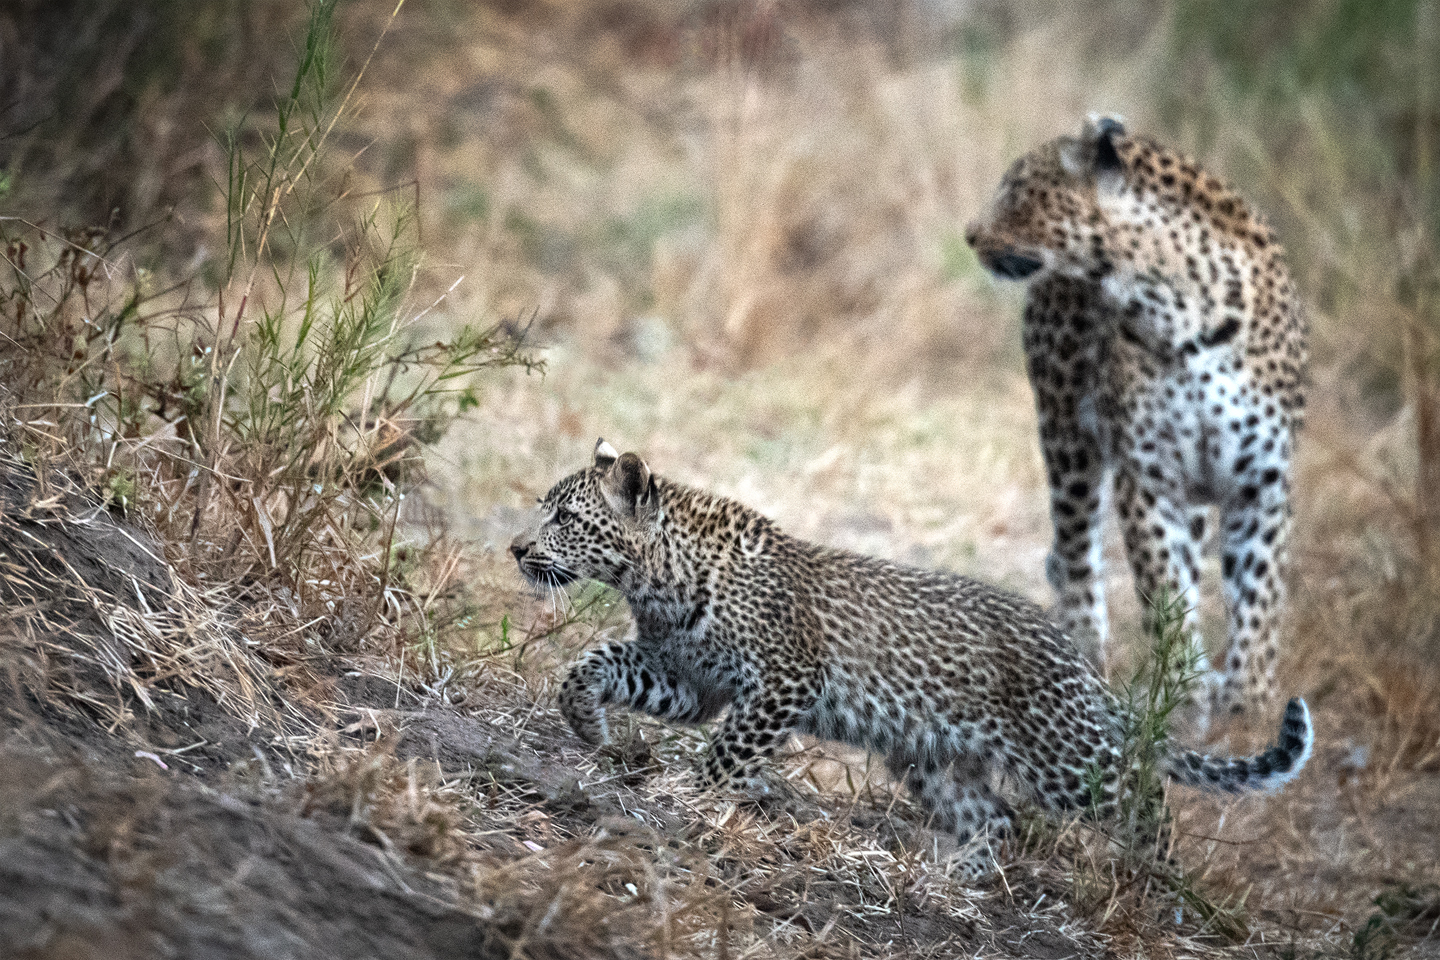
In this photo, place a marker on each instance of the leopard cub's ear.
(605, 454)
(629, 488)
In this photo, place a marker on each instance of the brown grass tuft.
(96, 616)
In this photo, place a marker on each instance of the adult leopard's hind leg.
(1163, 540)
(622, 673)
(1255, 531)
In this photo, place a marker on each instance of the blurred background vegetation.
(1343, 98)
(747, 182)
(111, 108)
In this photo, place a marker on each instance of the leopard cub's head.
(1049, 211)
(592, 524)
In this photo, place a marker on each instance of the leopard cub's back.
(929, 666)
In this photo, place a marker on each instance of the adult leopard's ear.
(605, 454)
(629, 488)
(1100, 133)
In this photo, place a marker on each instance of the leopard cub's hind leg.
(958, 800)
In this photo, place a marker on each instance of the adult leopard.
(1166, 346)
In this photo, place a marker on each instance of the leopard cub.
(954, 682)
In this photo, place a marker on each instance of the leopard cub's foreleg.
(623, 673)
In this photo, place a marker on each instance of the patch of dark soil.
(72, 685)
(94, 865)
(454, 742)
(925, 931)
(54, 544)
(358, 689)
(1018, 932)
(185, 725)
(461, 744)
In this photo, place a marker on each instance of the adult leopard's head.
(1110, 202)
(1049, 212)
(593, 523)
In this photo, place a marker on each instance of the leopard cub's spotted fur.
(956, 683)
(1167, 347)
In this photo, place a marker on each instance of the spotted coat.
(955, 682)
(1166, 346)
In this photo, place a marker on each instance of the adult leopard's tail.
(1269, 771)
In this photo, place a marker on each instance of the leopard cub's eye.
(563, 516)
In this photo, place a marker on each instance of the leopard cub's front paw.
(762, 787)
(775, 795)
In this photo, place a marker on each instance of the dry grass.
(94, 614)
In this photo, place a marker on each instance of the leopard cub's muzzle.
(537, 568)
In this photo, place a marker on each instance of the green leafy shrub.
(271, 423)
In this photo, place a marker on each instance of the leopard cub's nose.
(519, 548)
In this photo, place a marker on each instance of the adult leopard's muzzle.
(1010, 263)
(1000, 258)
